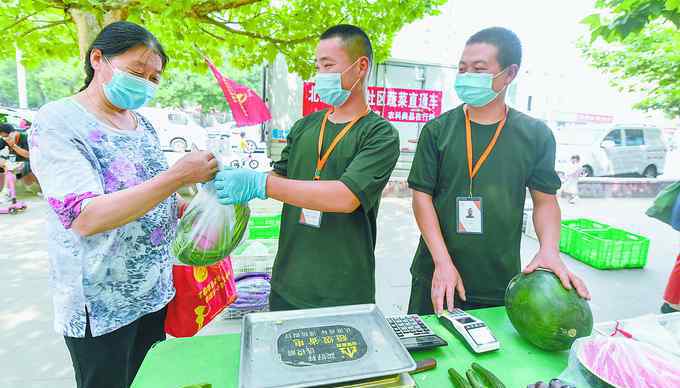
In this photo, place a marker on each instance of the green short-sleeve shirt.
(524, 156)
(334, 264)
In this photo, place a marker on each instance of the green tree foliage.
(183, 89)
(638, 42)
(250, 31)
(180, 88)
(51, 80)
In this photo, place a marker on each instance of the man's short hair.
(6, 128)
(355, 40)
(508, 44)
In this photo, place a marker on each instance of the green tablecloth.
(215, 359)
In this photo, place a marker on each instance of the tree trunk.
(114, 15)
(87, 27)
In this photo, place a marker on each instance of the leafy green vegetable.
(199, 243)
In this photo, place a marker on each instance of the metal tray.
(307, 348)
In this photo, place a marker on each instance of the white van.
(674, 142)
(177, 130)
(613, 150)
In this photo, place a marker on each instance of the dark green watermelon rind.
(521, 305)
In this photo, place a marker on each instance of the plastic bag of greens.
(209, 231)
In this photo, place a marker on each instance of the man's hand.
(445, 282)
(551, 260)
(240, 185)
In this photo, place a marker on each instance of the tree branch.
(213, 6)
(211, 34)
(44, 21)
(44, 26)
(254, 35)
(674, 17)
(21, 20)
(229, 21)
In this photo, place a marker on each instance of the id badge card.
(311, 218)
(469, 215)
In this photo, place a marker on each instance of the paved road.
(32, 355)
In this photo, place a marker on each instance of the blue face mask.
(329, 87)
(127, 91)
(476, 89)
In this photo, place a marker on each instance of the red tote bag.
(201, 294)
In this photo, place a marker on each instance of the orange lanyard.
(473, 170)
(321, 160)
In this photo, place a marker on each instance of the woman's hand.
(195, 167)
(110, 211)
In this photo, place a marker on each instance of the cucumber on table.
(487, 377)
(457, 380)
(475, 379)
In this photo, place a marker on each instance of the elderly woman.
(113, 208)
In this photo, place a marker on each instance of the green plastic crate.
(610, 249)
(572, 229)
(265, 220)
(264, 227)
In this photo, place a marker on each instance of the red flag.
(246, 106)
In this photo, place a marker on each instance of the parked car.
(613, 150)
(177, 130)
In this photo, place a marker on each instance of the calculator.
(414, 333)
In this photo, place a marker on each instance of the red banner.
(394, 104)
(592, 118)
(246, 106)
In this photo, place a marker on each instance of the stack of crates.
(257, 253)
(254, 256)
(602, 246)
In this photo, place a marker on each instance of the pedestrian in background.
(672, 294)
(572, 175)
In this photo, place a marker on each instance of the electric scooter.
(14, 206)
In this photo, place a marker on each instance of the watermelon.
(545, 313)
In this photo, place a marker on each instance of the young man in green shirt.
(469, 179)
(330, 177)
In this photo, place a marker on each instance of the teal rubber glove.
(240, 185)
